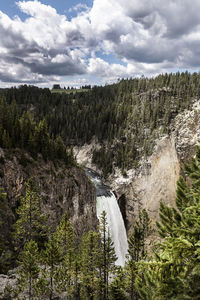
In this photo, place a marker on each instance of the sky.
(74, 42)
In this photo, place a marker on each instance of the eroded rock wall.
(62, 189)
(156, 179)
(155, 183)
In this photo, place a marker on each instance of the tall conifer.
(175, 268)
(108, 256)
(31, 222)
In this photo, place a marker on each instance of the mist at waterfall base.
(106, 201)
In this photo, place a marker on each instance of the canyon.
(156, 177)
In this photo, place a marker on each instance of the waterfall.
(106, 201)
(115, 224)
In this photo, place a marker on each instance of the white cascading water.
(115, 224)
(106, 201)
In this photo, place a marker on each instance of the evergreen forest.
(123, 119)
(52, 263)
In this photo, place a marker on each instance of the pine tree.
(6, 249)
(108, 256)
(117, 286)
(60, 149)
(29, 269)
(41, 139)
(51, 257)
(146, 229)
(27, 129)
(174, 270)
(137, 249)
(89, 254)
(6, 140)
(67, 271)
(65, 235)
(31, 223)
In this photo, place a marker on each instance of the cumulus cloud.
(144, 37)
(79, 7)
(156, 33)
(99, 67)
(42, 44)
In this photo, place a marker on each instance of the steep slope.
(155, 179)
(136, 133)
(124, 118)
(62, 189)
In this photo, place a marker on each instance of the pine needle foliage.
(137, 251)
(31, 222)
(29, 269)
(175, 268)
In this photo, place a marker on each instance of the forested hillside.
(125, 118)
(38, 130)
(29, 135)
(53, 265)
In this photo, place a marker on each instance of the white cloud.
(146, 32)
(147, 36)
(98, 67)
(79, 7)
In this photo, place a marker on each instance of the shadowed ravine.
(106, 201)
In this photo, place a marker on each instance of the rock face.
(7, 281)
(62, 190)
(83, 154)
(156, 179)
(156, 182)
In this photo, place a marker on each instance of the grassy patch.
(74, 91)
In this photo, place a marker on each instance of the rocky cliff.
(62, 189)
(155, 180)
